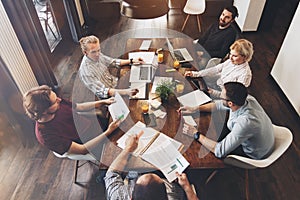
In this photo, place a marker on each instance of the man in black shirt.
(220, 35)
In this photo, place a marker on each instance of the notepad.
(145, 45)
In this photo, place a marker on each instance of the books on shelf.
(158, 149)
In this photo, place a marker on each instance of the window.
(47, 19)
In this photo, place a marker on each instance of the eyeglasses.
(220, 98)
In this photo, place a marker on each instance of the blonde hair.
(244, 48)
(88, 40)
(36, 101)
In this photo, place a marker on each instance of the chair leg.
(247, 184)
(185, 21)
(211, 176)
(76, 171)
(198, 20)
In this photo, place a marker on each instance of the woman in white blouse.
(236, 68)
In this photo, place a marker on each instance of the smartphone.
(150, 120)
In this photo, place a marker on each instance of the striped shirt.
(116, 189)
(227, 72)
(96, 76)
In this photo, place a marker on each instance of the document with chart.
(158, 149)
(167, 159)
(119, 109)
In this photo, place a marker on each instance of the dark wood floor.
(32, 172)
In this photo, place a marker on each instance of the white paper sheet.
(118, 109)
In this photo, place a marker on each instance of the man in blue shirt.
(249, 125)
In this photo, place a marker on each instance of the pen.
(170, 70)
(155, 97)
(121, 116)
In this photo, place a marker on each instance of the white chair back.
(194, 7)
(283, 139)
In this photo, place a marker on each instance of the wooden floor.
(32, 172)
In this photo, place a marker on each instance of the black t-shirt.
(217, 41)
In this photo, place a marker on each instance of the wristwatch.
(131, 61)
(197, 136)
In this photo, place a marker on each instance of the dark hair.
(36, 101)
(153, 190)
(233, 10)
(236, 92)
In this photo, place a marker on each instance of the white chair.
(87, 158)
(194, 7)
(283, 139)
(213, 62)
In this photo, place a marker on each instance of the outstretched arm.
(135, 61)
(209, 107)
(93, 104)
(121, 160)
(77, 148)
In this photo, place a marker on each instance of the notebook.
(182, 54)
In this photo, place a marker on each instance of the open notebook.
(158, 149)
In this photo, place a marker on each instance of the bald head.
(149, 186)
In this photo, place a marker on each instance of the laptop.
(143, 72)
(182, 54)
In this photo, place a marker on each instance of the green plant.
(164, 89)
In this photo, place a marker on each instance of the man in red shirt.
(60, 128)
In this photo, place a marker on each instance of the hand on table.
(188, 73)
(187, 109)
(129, 92)
(138, 61)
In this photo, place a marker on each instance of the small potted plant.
(165, 89)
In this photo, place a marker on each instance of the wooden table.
(198, 156)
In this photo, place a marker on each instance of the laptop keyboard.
(178, 55)
(144, 73)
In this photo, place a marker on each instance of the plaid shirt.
(116, 189)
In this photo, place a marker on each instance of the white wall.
(286, 70)
(13, 55)
(250, 12)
